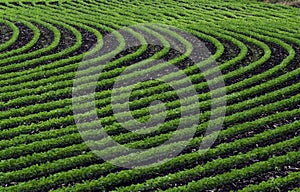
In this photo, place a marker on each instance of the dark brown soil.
(25, 36)
(5, 33)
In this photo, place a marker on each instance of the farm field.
(45, 143)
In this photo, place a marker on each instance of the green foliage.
(41, 149)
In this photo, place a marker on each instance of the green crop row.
(275, 184)
(31, 43)
(238, 174)
(6, 70)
